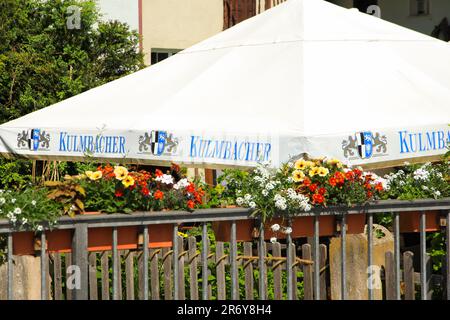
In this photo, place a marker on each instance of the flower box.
(410, 221)
(301, 227)
(99, 239)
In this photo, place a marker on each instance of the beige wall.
(178, 24)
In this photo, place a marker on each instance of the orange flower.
(159, 195)
(332, 181)
(318, 198)
(191, 204)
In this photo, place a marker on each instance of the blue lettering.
(403, 143)
(62, 142)
(193, 152)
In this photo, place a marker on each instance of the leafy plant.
(69, 194)
(29, 208)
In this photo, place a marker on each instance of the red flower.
(190, 188)
(158, 173)
(379, 186)
(349, 175)
(318, 198)
(368, 186)
(340, 177)
(369, 194)
(118, 193)
(332, 181)
(357, 172)
(322, 191)
(158, 195)
(191, 204)
(306, 182)
(145, 191)
(313, 187)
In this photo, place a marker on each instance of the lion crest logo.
(364, 145)
(33, 139)
(158, 143)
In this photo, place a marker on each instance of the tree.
(47, 56)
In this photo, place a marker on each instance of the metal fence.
(80, 255)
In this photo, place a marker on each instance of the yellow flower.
(321, 171)
(298, 176)
(89, 174)
(96, 175)
(313, 171)
(300, 164)
(310, 164)
(120, 172)
(335, 162)
(128, 181)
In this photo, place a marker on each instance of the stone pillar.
(356, 259)
(26, 279)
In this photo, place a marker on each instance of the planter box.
(99, 239)
(410, 221)
(301, 227)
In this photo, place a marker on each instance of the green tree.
(46, 58)
(43, 59)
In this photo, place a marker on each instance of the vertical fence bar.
(145, 263)
(316, 258)
(233, 262)
(176, 288)
(289, 264)
(204, 261)
(43, 267)
(370, 253)
(261, 262)
(397, 254)
(423, 260)
(343, 258)
(10, 267)
(80, 260)
(115, 262)
(447, 255)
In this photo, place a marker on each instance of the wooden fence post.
(307, 273)
(390, 276)
(248, 270)
(220, 271)
(408, 274)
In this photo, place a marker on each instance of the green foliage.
(29, 208)
(14, 174)
(43, 62)
(419, 181)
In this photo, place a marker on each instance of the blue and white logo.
(364, 144)
(158, 143)
(33, 139)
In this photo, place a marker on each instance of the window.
(158, 55)
(420, 7)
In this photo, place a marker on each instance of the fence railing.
(169, 266)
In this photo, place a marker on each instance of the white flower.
(275, 227)
(265, 193)
(17, 211)
(270, 186)
(39, 228)
(33, 202)
(273, 240)
(247, 197)
(1, 191)
(2, 201)
(425, 188)
(11, 217)
(13, 200)
(252, 205)
(24, 221)
(183, 183)
(437, 193)
(290, 164)
(421, 174)
(288, 230)
(239, 201)
(165, 178)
